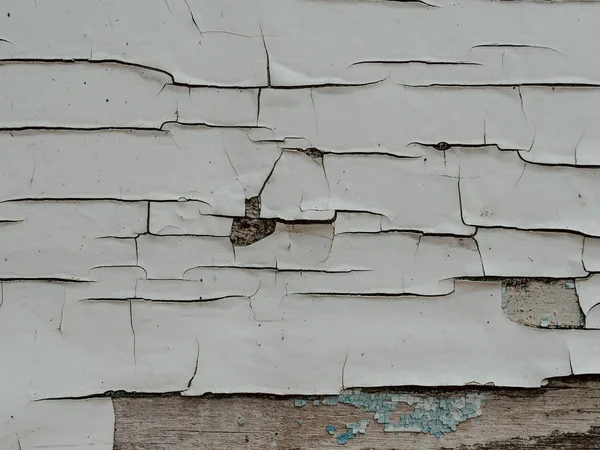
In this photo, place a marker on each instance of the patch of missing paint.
(542, 302)
(430, 415)
(251, 228)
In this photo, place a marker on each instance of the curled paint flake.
(330, 429)
(299, 402)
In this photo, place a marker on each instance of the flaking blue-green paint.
(430, 415)
(330, 401)
(345, 437)
(299, 402)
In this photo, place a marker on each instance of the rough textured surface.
(251, 228)
(293, 197)
(546, 303)
(563, 415)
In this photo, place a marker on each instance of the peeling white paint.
(370, 169)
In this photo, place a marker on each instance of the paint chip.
(299, 402)
(345, 437)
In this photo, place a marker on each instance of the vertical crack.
(132, 331)
(1, 294)
(189, 385)
(147, 221)
(479, 251)
(520, 176)
(312, 99)
(582, 253)
(269, 175)
(62, 314)
(577, 145)
(485, 129)
(344, 371)
(258, 106)
(32, 176)
(460, 204)
(231, 163)
(570, 363)
(524, 161)
(262, 33)
(193, 18)
(251, 296)
(522, 103)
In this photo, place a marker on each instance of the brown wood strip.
(563, 415)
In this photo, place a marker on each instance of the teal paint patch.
(315, 402)
(437, 416)
(330, 401)
(345, 437)
(430, 415)
(299, 422)
(299, 402)
(544, 321)
(569, 284)
(241, 421)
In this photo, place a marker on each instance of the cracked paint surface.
(229, 197)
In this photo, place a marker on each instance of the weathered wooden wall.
(294, 198)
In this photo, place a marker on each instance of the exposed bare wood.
(565, 415)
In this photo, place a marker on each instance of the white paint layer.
(288, 197)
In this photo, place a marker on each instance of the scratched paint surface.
(288, 197)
